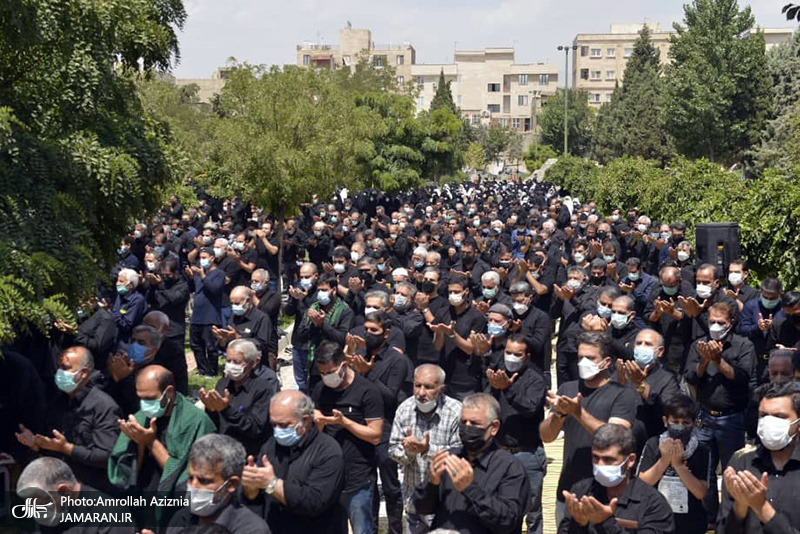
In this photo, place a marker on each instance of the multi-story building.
(598, 63)
(489, 87)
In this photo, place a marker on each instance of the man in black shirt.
(535, 325)
(239, 404)
(409, 319)
(478, 487)
(244, 257)
(267, 249)
(433, 309)
(81, 421)
(247, 322)
(583, 406)
(349, 408)
(97, 333)
(786, 331)
(269, 303)
(300, 472)
(664, 313)
(762, 484)
(613, 500)
(519, 389)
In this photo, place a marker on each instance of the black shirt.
(695, 519)
(535, 327)
(247, 416)
(392, 374)
(258, 327)
(464, 372)
(170, 297)
(714, 391)
(97, 333)
(783, 492)
(676, 333)
(521, 407)
(607, 401)
(495, 501)
(237, 519)
(663, 386)
(426, 351)
(640, 508)
(360, 402)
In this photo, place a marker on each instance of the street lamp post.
(566, 49)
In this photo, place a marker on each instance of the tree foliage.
(580, 122)
(718, 87)
(444, 96)
(537, 155)
(80, 159)
(474, 157)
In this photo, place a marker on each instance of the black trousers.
(566, 366)
(392, 492)
(205, 349)
(172, 356)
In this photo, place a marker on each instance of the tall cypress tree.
(443, 97)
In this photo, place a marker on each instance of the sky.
(267, 32)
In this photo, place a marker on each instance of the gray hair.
(368, 260)
(263, 273)
(303, 405)
(484, 401)
(422, 252)
(491, 276)
(383, 295)
(86, 358)
(659, 337)
(214, 450)
(433, 255)
(46, 474)
(577, 270)
(130, 276)
(627, 300)
(411, 287)
(433, 368)
(245, 347)
(521, 287)
(154, 339)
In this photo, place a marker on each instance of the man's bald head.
(240, 294)
(158, 320)
(289, 407)
(155, 375)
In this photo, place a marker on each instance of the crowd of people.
(423, 329)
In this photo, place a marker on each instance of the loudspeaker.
(717, 244)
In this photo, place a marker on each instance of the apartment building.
(489, 87)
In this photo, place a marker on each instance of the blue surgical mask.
(489, 294)
(603, 311)
(457, 244)
(238, 309)
(257, 287)
(136, 353)
(152, 407)
(65, 380)
(324, 297)
(159, 250)
(287, 437)
(619, 320)
(644, 356)
(122, 289)
(770, 303)
(306, 283)
(669, 290)
(494, 329)
(205, 263)
(633, 277)
(419, 264)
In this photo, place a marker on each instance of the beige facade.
(207, 88)
(489, 87)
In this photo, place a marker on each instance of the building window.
(595, 75)
(523, 79)
(596, 52)
(400, 80)
(493, 108)
(420, 80)
(504, 123)
(515, 124)
(544, 79)
(474, 118)
(401, 60)
(306, 59)
(522, 100)
(584, 74)
(584, 51)
(346, 61)
(493, 88)
(611, 52)
(594, 97)
(379, 62)
(610, 74)
(527, 124)
(628, 52)
(608, 97)
(458, 100)
(420, 101)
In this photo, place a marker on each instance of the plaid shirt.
(443, 429)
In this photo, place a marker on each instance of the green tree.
(580, 122)
(443, 143)
(475, 157)
(80, 159)
(444, 96)
(537, 155)
(717, 82)
(634, 122)
(514, 150)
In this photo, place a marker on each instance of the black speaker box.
(717, 244)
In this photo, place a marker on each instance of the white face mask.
(339, 268)
(717, 331)
(587, 369)
(427, 406)
(234, 371)
(610, 476)
(774, 432)
(683, 256)
(703, 291)
(513, 363)
(333, 380)
(201, 501)
(456, 299)
(355, 256)
(369, 310)
(735, 278)
(520, 308)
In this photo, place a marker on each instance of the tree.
(792, 11)
(80, 159)
(580, 121)
(514, 148)
(634, 122)
(474, 157)
(443, 143)
(443, 97)
(717, 82)
(537, 155)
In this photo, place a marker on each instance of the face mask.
(400, 302)
(151, 266)
(609, 476)
(578, 257)
(427, 286)
(489, 294)
(287, 437)
(238, 246)
(494, 329)
(615, 218)
(381, 266)
(339, 268)
(201, 501)
(770, 303)
(456, 299)
(587, 369)
(472, 437)
(717, 332)
(520, 308)
(373, 341)
(218, 252)
(152, 407)
(419, 264)
(205, 263)
(669, 290)
(506, 264)
(683, 256)
(122, 289)
(318, 233)
(513, 363)
(574, 285)
(333, 380)
(206, 240)
(238, 309)
(641, 227)
(176, 232)
(324, 297)
(644, 356)
(619, 320)
(306, 283)
(234, 371)
(609, 259)
(603, 312)
(703, 291)
(258, 288)
(774, 432)
(121, 251)
(137, 353)
(65, 380)
(683, 433)
(355, 256)
(633, 277)
(137, 234)
(735, 278)
(427, 406)
(369, 310)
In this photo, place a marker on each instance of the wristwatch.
(270, 488)
(640, 388)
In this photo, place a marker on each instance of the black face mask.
(469, 258)
(471, 437)
(683, 433)
(794, 319)
(427, 287)
(602, 235)
(373, 341)
(366, 277)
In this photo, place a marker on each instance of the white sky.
(267, 32)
